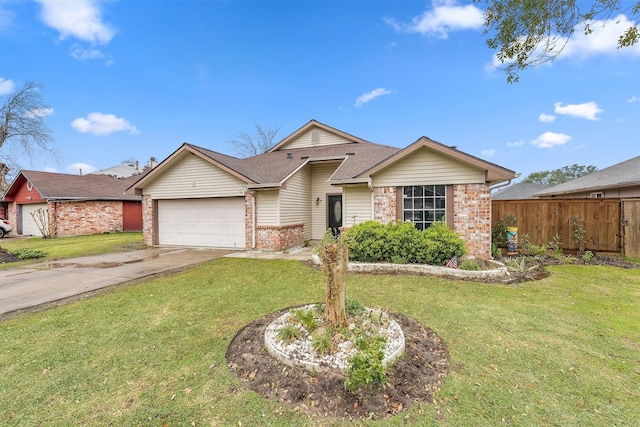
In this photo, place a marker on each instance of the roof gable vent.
(315, 137)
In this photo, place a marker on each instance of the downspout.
(508, 183)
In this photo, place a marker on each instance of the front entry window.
(334, 213)
(423, 204)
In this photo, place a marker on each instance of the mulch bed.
(412, 379)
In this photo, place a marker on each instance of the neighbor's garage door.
(202, 222)
(26, 224)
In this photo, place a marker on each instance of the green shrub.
(353, 307)
(28, 253)
(289, 334)
(323, 344)
(469, 264)
(401, 242)
(365, 367)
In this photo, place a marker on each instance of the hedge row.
(402, 243)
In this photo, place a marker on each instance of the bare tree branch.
(249, 145)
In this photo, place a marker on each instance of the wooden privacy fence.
(542, 219)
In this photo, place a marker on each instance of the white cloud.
(550, 140)
(488, 153)
(633, 99)
(367, 97)
(6, 86)
(445, 16)
(602, 41)
(515, 143)
(546, 118)
(81, 168)
(103, 124)
(50, 169)
(77, 18)
(587, 110)
(39, 112)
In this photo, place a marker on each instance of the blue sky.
(137, 78)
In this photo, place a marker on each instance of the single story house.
(74, 204)
(316, 178)
(621, 180)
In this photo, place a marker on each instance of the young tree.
(22, 119)
(248, 145)
(558, 176)
(528, 33)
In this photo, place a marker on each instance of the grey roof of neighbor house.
(519, 191)
(123, 170)
(59, 186)
(622, 174)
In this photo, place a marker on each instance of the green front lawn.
(71, 247)
(561, 351)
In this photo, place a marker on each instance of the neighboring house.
(519, 191)
(316, 178)
(621, 180)
(74, 204)
(128, 168)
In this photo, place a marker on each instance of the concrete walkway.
(37, 284)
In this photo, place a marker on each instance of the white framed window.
(424, 204)
(597, 195)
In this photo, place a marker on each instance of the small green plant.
(578, 231)
(556, 245)
(323, 343)
(588, 256)
(515, 263)
(398, 259)
(353, 307)
(499, 231)
(469, 264)
(569, 259)
(28, 253)
(495, 250)
(306, 318)
(289, 334)
(365, 367)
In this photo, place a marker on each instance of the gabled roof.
(59, 186)
(519, 191)
(625, 174)
(359, 160)
(493, 172)
(310, 125)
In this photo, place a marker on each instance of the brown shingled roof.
(58, 186)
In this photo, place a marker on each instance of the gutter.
(498, 187)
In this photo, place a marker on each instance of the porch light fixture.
(317, 201)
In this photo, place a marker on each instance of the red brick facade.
(148, 230)
(249, 219)
(472, 218)
(384, 204)
(275, 238)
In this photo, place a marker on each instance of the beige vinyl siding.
(426, 167)
(295, 201)
(357, 203)
(320, 173)
(191, 177)
(267, 207)
(326, 138)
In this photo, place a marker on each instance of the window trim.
(448, 203)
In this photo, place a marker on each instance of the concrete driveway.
(37, 284)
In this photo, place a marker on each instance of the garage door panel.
(28, 226)
(202, 222)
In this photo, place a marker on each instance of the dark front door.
(334, 213)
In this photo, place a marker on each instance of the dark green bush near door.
(401, 242)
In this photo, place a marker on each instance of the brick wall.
(12, 216)
(148, 236)
(278, 238)
(384, 204)
(85, 217)
(472, 218)
(249, 218)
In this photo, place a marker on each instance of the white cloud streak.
(370, 96)
(633, 99)
(80, 19)
(103, 124)
(587, 110)
(546, 118)
(444, 17)
(39, 112)
(6, 86)
(515, 143)
(488, 153)
(550, 140)
(602, 41)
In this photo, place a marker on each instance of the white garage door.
(215, 223)
(27, 225)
